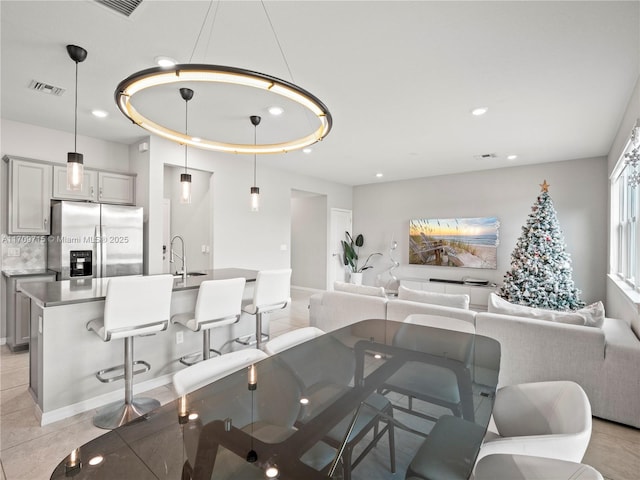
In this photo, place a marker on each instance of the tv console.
(478, 293)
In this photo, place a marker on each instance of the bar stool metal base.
(117, 414)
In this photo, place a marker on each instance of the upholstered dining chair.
(442, 388)
(320, 387)
(526, 467)
(202, 373)
(218, 304)
(267, 423)
(542, 419)
(291, 339)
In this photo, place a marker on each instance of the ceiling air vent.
(123, 7)
(485, 156)
(46, 88)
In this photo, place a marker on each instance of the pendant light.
(75, 167)
(255, 191)
(185, 178)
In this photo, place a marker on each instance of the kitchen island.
(64, 356)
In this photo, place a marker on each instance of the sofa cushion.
(444, 299)
(593, 314)
(359, 289)
(500, 305)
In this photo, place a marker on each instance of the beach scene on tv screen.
(454, 242)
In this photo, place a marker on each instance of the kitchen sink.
(190, 274)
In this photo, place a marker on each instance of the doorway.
(308, 240)
(341, 221)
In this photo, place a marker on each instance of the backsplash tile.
(32, 248)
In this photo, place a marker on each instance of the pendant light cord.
(75, 120)
(255, 130)
(186, 131)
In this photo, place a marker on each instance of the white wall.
(191, 221)
(578, 189)
(241, 238)
(309, 241)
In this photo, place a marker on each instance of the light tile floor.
(31, 452)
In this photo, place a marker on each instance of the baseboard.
(307, 289)
(3, 340)
(45, 418)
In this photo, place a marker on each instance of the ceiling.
(400, 78)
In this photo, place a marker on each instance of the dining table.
(271, 419)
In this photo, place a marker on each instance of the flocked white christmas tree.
(541, 272)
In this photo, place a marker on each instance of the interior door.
(341, 222)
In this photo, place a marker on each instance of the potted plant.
(351, 250)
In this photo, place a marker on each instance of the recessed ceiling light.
(307, 150)
(193, 416)
(304, 401)
(99, 113)
(163, 61)
(512, 157)
(276, 110)
(479, 111)
(379, 175)
(97, 460)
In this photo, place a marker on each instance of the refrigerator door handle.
(103, 254)
(97, 248)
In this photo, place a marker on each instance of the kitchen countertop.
(27, 272)
(52, 294)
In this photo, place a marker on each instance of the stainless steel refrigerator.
(94, 240)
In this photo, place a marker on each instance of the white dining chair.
(202, 373)
(526, 467)
(218, 304)
(442, 386)
(319, 387)
(291, 339)
(437, 321)
(271, 420)
(543, 419)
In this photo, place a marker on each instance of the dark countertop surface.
(52, 294)
(27, 272)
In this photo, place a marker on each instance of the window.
(625, 198)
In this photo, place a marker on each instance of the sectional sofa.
(604, 360)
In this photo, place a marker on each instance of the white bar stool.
(133, 306)
(271, 292)
(219, 303)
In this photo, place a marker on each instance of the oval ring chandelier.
(156, 76)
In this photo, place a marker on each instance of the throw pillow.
(444, 299)
(500, 305)
(359, 289)
(593, 314)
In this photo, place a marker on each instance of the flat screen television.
(454, 242)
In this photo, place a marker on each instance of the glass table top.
(306, 401)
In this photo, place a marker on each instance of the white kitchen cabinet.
(89, 191)
(29, 196)
(18, 308)
(478, 294)
(116, 188)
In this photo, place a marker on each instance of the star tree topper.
(545, 186)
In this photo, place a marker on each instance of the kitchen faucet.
(183, 257)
